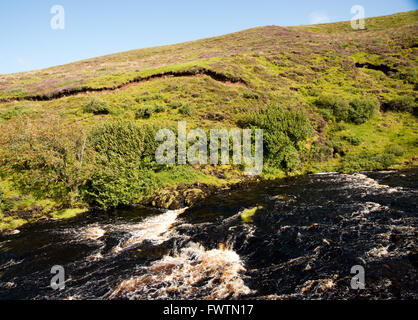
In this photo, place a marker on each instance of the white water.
(153, 229)
(192, 272)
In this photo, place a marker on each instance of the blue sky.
(98, 27)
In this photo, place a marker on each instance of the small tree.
(46, 157)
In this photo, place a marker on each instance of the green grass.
(67, 213)
(247, 214)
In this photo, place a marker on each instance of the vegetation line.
(74, 91)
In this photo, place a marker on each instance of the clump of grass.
(186, 110)
(175, 104)
(247, 215)
(250, 95)
(96, 106)
(159, 108)
(355, 141)
(157, 96)
(396, 150)
(14, 112)
(144, 112)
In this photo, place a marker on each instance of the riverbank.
(174, 196)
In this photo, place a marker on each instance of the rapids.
(301, 245)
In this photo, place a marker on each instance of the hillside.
(329, 98)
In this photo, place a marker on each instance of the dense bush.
(96, 106)
(366, 161)
(396, 150)
(361, 109)
(120, 175)
(401, 104)
(250, 95)
(358, 110)
(283, 129)
(144, 112)
(5, 204)
(159, 108)
(175, 104)
(186, 110)
(355, 141)
(46, 157)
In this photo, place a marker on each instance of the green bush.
(250, 95)
(366, 161)
(5, 204)
(96, 106)
(15, 112)
(338, 106)
(357, 111)
(157, 96)
(355, 141)
(396, 150)
(159, 108)
(186, 110)
(144, 112)
(327, 114)
(46, 158)
(401, 104)
(361, 109)
(338, 127)
(175, 104)
(120, 177)
(283, 130)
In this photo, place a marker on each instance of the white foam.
(153, 229)
(192, 272)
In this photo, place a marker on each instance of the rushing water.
(302, 244)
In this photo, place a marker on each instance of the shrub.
(250, 95)
(120, 176)
(357, 111)
(361, 109)
(338, 127)
(186, 110)
(355, 141)
(157, 96)
(144, 112)
(46, 157)
(327, 114)
(159, 108)
(283, 130)
(401, 104)
(366, 161)
(5, 204)
(396, 150)
(96, 106)
(175, 104)
(2, 199)
(15, 112)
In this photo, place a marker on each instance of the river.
(301, 244)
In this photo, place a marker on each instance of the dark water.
(300, 245)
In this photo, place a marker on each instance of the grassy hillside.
(328, 98)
